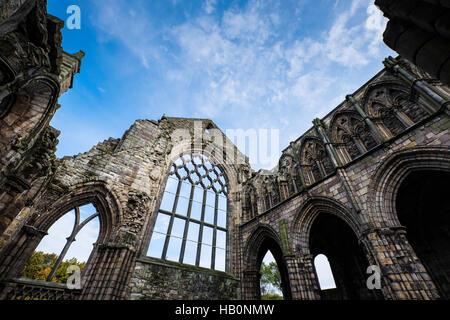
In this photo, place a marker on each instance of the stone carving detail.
(315, 162)
(392, 106)
(350, 131)
(137, 208)
(42, 160)
(289, 175)
(250, 202)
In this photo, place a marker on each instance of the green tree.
(270, 281)
(40, 265)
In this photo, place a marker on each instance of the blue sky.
(256, 64)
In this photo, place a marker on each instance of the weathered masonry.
(183, 215)
(419, 30)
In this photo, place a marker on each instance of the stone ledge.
(176, 265)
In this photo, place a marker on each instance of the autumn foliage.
(40, 265)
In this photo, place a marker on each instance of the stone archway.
(331, 236)
(17, 252)
(325, 226)
(423, 207)
(262, 240)
(393, 189)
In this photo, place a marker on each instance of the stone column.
(318, 125)
(403, 275)
(251, 289)
(337, 163)
(14, 256)
(308, 285)
(292, 265)
(109, 276)
(378, 136)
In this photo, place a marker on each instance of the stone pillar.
(292, 265)
(419, 31)
(251, 289)
(308, 287)
(403, 275)
(318, 125)
(14, 256)
(109, 276)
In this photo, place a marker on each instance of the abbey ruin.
(366, 185)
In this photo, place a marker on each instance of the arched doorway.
(332, 237)
(423, 207)
(262, 241)
(270, 281)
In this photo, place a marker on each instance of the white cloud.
(209, 6)
(248, 65)
(130, 26)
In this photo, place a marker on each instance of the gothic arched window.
(69, 240)
(324, 272)
(251, 205)
(191, 226)
(351, 135)
(315, 162)
(391, 108)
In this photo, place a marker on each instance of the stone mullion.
(186, 227)
(375, 130)
(297, 158)
(172, 218)
(213, 253)
(362, 149)
(403, 275)
(404, 119)
(200, 232)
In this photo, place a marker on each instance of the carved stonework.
(137, 208)
(350, 131)
(316, 163)
(41, 160)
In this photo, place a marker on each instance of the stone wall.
(156, 280)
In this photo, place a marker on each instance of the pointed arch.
(18, 251)
(389, 104)
(263, 239)
(325, 226)
(309, 211)
(392, 171)
(314, 160)
(351, 135)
